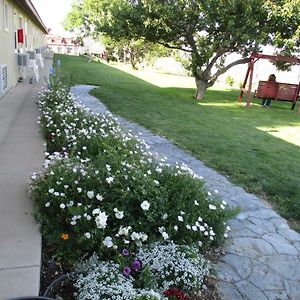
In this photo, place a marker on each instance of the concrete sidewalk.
(21, 153)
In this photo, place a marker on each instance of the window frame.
(6, 16)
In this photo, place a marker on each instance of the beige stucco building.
(21, 30)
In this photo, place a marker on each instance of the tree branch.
(174, 47)
(223, 70)
(213, 61)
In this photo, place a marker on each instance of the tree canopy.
(206, 31)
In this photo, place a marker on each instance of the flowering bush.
(104, 191)
(104, 280)
(166, 270)
(172, 265)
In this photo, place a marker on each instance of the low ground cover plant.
(102, 191)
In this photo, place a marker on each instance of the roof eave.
(29, 7)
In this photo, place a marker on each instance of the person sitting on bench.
(266, 102)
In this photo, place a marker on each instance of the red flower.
(175, 292)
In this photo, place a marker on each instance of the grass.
(257, 148)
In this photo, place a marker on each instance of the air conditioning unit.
(31, 54)
(3, 78)
(23, 59)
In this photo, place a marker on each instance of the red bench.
(278, 91)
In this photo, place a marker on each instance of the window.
(15, 31)
(26, 33)
(6, 19)
(1, 13)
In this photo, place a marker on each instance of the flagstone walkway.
(262, 254)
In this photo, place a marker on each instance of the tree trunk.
(201, 88)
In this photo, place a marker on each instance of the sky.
(53, 13)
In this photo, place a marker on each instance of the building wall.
(13, 18)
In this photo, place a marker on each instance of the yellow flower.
(64, 236)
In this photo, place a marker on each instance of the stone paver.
(262, 259)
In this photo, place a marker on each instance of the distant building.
(21, 30)
(63, 44)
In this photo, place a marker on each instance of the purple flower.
(136, 266)
(125, 252)
(126, 271)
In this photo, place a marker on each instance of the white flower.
(216, 191)
(108, 167)
(79, 189)
(145, 205)
(135, 236)
(110, 179)
(51, 191)
(211, 232)
(200, 244)
(209, 193)
(62, 206)
(156, 182)
(196, 202)
(119, 214)
(47, 204)
(84, 148)
(180, 218)
(225, 235)
(158, 170)
(222, 206)
(228, 228)
(212, 207)
(175, 227)
(101, 220)
(108, 242)
(87, 235)
(99, 197)
(202, 228)
(224, 202)
(144, 237)
(165, 235)
(96, 211)
(124, 230)
(188, 227)
(194, 228)
(90, 194)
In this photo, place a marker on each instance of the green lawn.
(257, 148)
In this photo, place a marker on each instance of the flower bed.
(101, 192)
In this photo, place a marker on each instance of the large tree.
(93, 18)
(207, 31)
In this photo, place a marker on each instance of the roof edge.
(28, 6)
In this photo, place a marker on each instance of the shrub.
(229, 80)
(164, 269)
(175, 266)
(103, 190)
